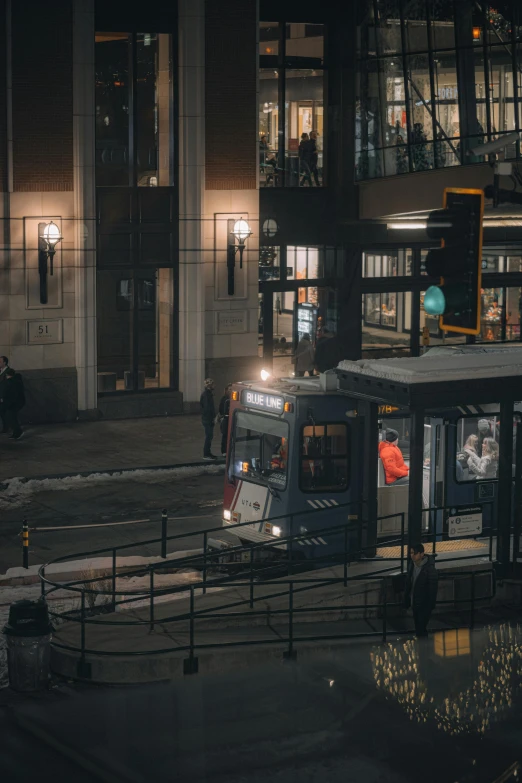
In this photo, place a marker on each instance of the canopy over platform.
(443, 377)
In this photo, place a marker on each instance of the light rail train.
(303, 452)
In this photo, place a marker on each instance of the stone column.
(84, 205)
(191, 179)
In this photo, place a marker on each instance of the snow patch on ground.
(18, 490)
(95, 566)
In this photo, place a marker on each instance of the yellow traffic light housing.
(457, 262)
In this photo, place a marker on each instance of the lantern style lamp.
(48, 237)
(238, 233)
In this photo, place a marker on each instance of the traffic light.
(458, 261)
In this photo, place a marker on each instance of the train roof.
(448, 375)
(448, 365)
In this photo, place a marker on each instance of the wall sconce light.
(48, 237)
(477, 33)
(238, 233)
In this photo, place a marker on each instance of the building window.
(291, 105)
(432, 86)
(386, 324)
(135, 329)
(134, 109)
(500, 316)
(269, 263)
(391, 264)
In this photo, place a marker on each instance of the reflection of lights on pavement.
(475, 709)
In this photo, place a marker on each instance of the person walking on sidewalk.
(208, 417)
(13, 400)
(224, 412)
(422, 583)
(4, 364)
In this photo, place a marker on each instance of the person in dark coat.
(13, 400)
(4, 365)
(208, 416)
(422, 582)
(327, 351)
(224, 412)
(305, 159)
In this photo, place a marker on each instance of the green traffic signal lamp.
(434, 300)
(447, 300)
(457, 262)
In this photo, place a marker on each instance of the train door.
(473, 463)
(393, 475)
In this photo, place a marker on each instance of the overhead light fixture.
(409, 225)
(238, 233)
(48, 237)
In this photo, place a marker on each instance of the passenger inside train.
(395, 469)
(477, 443)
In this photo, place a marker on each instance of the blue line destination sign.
(262, 401)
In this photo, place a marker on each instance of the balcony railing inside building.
(436, 79)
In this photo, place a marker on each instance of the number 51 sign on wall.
(45, 332)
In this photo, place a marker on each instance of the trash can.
(28, 641)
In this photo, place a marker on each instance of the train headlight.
(276, 531)
(227, 515)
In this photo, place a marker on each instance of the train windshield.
(260, 449)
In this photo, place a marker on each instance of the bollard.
(164, 533)
(25, 544)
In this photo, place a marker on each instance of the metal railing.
(290, 641)
(257, 573)
(353, 549)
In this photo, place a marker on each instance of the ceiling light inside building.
(409, 225)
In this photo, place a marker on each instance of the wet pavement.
(55, 449)
(446, 709)
(197, 498)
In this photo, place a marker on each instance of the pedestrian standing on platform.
(224, 412)
(13, 400)
(422, 582)
(4, 364)
(208, 417)
(304, 356)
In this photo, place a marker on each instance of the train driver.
(395, 469)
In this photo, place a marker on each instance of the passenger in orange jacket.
(395, 470)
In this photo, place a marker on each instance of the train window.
(260, 449)
(477, 448)
(324, 458)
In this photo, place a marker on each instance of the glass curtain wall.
(291, 123)
(134, 109)
(436, 79)
(134, 151)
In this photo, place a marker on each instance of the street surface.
(404, 712)
(94, 501)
